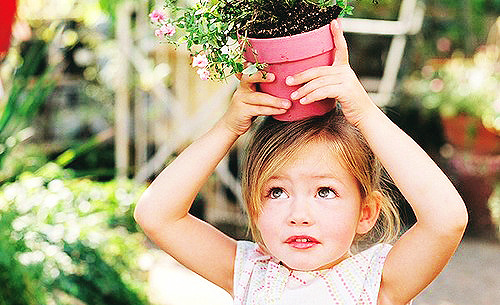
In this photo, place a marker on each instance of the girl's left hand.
(247, 103)
(337, 81)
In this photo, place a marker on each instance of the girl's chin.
(310, 266)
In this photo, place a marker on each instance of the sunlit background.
(93, 105)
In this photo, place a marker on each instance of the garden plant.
(65, 240)
(215, 32)
(464, 91)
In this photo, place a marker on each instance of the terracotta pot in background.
(468, 133)
(7, 13)
(475, 178)
(288, 56)
(476, 163)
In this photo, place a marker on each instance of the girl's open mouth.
(302, 242)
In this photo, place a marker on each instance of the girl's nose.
(299, 214)
(298, 221)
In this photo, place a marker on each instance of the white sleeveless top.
(260, 279)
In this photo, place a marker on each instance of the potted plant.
(466, 94)
(281, 36)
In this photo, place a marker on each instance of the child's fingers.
(308, 75)
(320, 93)
(247, 81)
(314, 85)
(267, 100)
(341, 53)
(264, 110)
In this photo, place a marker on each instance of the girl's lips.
(301, 241)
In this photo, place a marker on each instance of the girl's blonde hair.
(275, 142)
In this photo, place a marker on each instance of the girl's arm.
(423, 251)
(162, 211)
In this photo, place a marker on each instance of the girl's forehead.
(317, 158)
(316, 149)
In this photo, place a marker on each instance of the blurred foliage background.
(67, 235)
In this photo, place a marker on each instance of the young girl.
(312, 190)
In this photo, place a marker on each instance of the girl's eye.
(277, 193)
(326, 193)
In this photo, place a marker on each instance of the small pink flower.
(203, 73)
(166, 29)
(159, 33)
(200, 61)
(157, 16)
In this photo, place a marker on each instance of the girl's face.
(311, 210)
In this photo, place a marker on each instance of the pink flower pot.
(291, 55)
(7, 14)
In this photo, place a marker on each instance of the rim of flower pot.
(290, 48)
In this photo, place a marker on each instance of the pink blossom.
(166, 29)
(200, 61)
(159, 33)
(203, 73)
(157, 16)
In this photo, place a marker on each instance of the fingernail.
(270, 76)
(337, 24)
(303, 100)
(286, 103)
(289, 80)
(294, 95)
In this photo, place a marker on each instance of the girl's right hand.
(247, 103)
(337, 81)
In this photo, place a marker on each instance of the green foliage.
(346, 9)
(461, 86)
(19, 284)
(110, 6)
(79, 235)
(464, 23)
(211, 28)
(25, 97)
(100, 284)
(21, 158)
(382, 9)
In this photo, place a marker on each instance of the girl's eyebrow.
(320, 176)
(329, 177)
(338, 183)
(276, 178)
(324, 176)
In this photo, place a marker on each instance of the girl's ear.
(370, 209)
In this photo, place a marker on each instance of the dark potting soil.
(276, 19)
